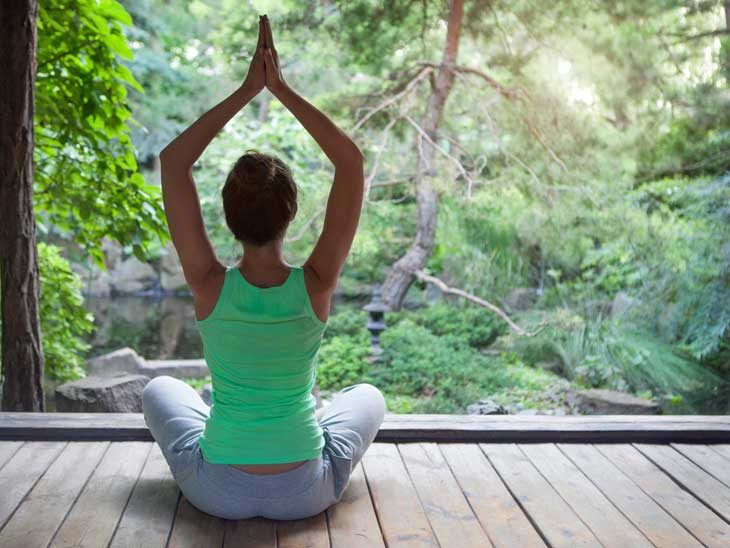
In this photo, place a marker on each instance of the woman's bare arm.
(179, 195)
(346, 196)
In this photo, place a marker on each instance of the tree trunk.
(22, 354)
(402, 273)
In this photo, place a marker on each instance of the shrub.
(64, 320)
(618, 356)
(348, 323)
(444, 373)
(342, 361)
(476, 326)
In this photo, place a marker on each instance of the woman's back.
(261, 346)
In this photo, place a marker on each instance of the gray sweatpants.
(175, 414)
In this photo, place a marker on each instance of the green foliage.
(350, 322)
(64, 321)
(609, 174)
(197, 384)
(86, 181)
(472, 324)
(375, 31)
(342, 361)
(614, 355)
(444, 372)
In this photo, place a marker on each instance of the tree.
(401, 275)
(88, 185)
(22, 353)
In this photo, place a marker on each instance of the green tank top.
(261, 347)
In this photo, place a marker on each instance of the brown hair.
(259, 198)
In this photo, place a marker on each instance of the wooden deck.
(109, 492)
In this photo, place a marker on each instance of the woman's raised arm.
(346, 196)
(179, 196)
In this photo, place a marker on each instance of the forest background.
(578, 177)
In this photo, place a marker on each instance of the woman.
(260, 449)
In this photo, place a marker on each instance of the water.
(156, 328)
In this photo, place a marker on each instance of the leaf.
(114, 10)
(126, 75)
(119, 45)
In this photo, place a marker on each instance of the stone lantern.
(376, 309)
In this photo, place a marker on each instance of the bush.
(608, 354)
(64, 320)
(474, 325)
(348, 323)
(443, 373)
(342, 361)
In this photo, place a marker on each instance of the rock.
(93, 394)
(530, 411)
(132, 275)
(611, 402)
(521, 298)
(180, 369)
(171, 273)
(622, 303)
(486, 407)
(124, 360)
(207, 394)
(95, 282)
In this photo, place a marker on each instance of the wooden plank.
(548, 511)
(195, 529)
(251, 533)
(710, 461)
(147, 519)
(402, 519)
(693, 478)
(46, 505)
(403, 427)
(722, 449)
(22, 471)
(74, 427)
(303, 533)
(500, 515)
(702, 522)
(352, 521)
(661, 528)
(446, 507)
(7, 450)
(95, 514)
(608, 524)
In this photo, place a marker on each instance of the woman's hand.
(274, 78)
(256, 77)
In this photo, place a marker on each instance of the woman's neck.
(263, 259)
